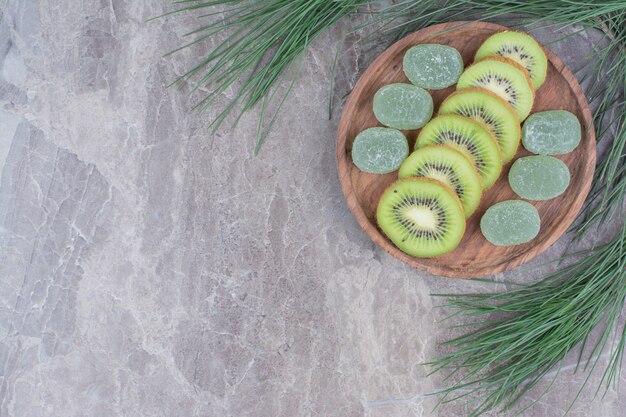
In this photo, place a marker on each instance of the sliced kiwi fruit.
(449, 166)
(421, 216)
(485, 107)
(472, 139)
(521, 48)
(504, 77)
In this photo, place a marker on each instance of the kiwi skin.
(427, 180)
(502, 101)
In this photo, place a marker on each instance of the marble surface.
(149, 271)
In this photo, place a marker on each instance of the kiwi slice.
(504, 77)
(421, 216)
(473, 140)
(485, 107)
(449, 166)
(521, 48)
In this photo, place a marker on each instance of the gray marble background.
(147, 271)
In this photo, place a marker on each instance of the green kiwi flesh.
(485, 107)
(476, 142)
(449, 166)
(521, 48)
(503, 77)
(421, 216)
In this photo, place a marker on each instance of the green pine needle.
(538, 326)
(264, 40)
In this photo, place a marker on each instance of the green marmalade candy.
(552, 132)
(510, 223)
(379, 150)
(433, 66)
(403, 106)
(539, 177)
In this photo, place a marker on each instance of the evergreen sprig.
(524, 333)
(265, 38)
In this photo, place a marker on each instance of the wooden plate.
(474, 257)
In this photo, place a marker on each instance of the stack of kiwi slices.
(460, 153)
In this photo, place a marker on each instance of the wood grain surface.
(474, 257)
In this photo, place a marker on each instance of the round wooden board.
(474, 257)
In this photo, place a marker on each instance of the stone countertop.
(150, 271)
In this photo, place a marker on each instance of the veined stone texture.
(148, 270)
